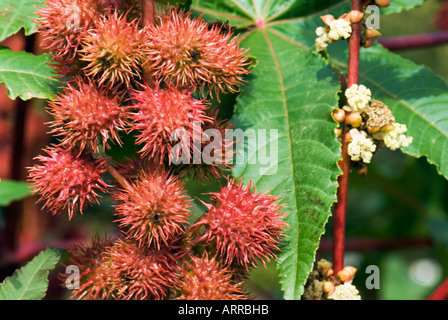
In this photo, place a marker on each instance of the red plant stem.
(341, 205)
(441, 293)
(415, 41)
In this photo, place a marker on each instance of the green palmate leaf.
(12, 191)
(26, 75)
(291, 90)
(31, 281)
(17, 14)
(245, 12)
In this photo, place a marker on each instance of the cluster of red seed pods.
(125, 78)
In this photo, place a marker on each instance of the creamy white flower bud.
(361, 147)
(345, 291)
(339, 28)
(321, 44)
(395, 138)
(358, 97)
(336, 29)
(320, 31)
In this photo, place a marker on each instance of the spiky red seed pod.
(113, 51)
(62, 24)
(85, 115)
(160, 115)
(205, 279)
(66, 182)
(154, 209)
(187, 51)
(243, 225)
(218, 151)
(94, 280)
(139, 273)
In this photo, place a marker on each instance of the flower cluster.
(324, 284)
(372, 125)
(150, 85)
(361, 147)
(341, 27)
(345, 291)
(395, 138)
(358, 97)
(334, 30)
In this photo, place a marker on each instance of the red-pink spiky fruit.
(62, 25)
(112, 50)
(205, 279)
(243, 226)
(167, 117)
(154, 209)
(139, 273)
(66, 181)
(86, 116)
(187, 51)
(94, 280)
(218, 151)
